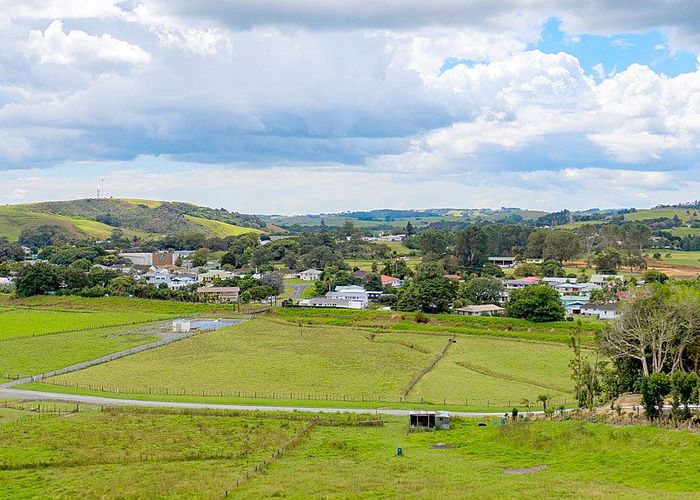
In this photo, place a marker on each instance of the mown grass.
(282, 361)
(221, 229)
(34, 355)
(582, 461)
(443, 323)
(691, 259)
(17, 323)
(136, 454)
(121, 305)
(267, 358)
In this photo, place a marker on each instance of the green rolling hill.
(96, 218)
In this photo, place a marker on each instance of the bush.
(538, 303)
(421, 317)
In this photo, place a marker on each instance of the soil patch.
(442, 446)
(525, 470)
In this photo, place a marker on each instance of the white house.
(353, 293)
(391, 281)
(214, 275)
(5, 281)
(480, 310)
(310, 275)
(506, 262)
(601, 311)
(606, 279)
(331, 302)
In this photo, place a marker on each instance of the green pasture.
(677, 257)
(136, 454)
(658, 213)
(16, 323)
(204, 454)
(32, 355)
(124, 305)
(276, 360)
(221, 229)
(574, 459)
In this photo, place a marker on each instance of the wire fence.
(308, 396)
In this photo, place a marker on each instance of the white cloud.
(53, 46)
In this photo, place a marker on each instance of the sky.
(308, 106)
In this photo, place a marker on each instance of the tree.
(528, 270)
(538, 303)
(200, 257)
(273, 280)
(482, 290)
(656, 326)
(37, 279)
(608, 261)
(535, 243)
(410, 230)
(684, 390)
(544, 399)
(654, 389)
(655, 276)
(10, 251)
(561, 245)
(472, 247)
(429, 292)
(553, 269)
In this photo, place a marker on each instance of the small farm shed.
(182, 326)
(429, 420)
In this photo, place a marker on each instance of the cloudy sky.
(298, 106)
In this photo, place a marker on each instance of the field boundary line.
(264, 464)
(104, 359)
(504, 376)
(419, 376)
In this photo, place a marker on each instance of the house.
(429, 420)
(454, 277)
(157, 277)
(574, 303)
(391, 281)
(353, 293)
(521, 283)
(534, 261)
(606, 279)
(506, 262)
(310, 275)
(5, 280)
(227, 294)
(157, 259)
(480, 310)
(360, 274)
(392, 237)
(607, 310)
(182, 280)
(332, 302)
(214, 275)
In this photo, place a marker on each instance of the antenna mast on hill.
(101, 188)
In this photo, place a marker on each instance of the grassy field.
(580, 460)
(279, 360)
(136, 454)
(139, 453)
(221, 229)
(122, 305)
(16, 323)
(658, 213)
(691, 259)
(32, 355)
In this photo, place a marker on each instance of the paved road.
(101, 401)
(298, 289)
(158, 329)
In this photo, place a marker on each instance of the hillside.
(97, 218)
(388, 219)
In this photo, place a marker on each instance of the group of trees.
(653, 349)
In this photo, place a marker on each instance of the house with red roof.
(391, 281)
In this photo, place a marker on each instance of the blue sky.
(298, 106)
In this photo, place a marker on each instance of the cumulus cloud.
(448, 97)
(53, 46)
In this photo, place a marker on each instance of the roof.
(329, 300)
(312, 271)
(218, 289)
(502, 258)
(389, 279)
(480, 308)
(607, 306)
(453, 277)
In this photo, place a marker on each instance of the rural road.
(298, 289)
(100, 401)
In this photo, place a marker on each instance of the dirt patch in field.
(525, 470)
(674, 270)
(442, 446)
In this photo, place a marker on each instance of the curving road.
(298, 289)
(102, 401)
